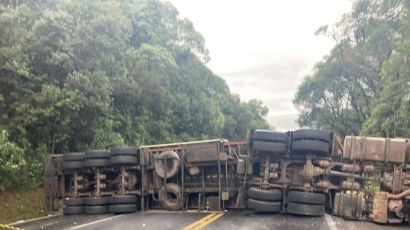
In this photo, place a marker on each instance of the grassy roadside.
(21, 205)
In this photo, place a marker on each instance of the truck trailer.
(303, 172)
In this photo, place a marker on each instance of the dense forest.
(363, 86)
(78, 75)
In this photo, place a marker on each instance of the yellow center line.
(209, 221)
(196, 223)
(201, 223)
(5, 226)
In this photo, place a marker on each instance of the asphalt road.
(232, 220)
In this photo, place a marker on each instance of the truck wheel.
(93, 154)
(264, 206)
(306, 197)
(73, 164)
(91, 201)
(264, 194)
(122, 199)
(73, 210)
(102, 162)
(310, 146)
(171, 198)
(311, 134)
(74, 156)
(94, 210)
(269, 135)
(306, 209)
(168, 161)
(124, 151)
(73, 201)
(123, 160)
(265, 146)
(122, 208)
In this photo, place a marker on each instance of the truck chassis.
(302, 172)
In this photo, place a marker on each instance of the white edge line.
(35, 219)
(330, 222)
(95, 222)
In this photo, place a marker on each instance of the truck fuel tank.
(388, 150)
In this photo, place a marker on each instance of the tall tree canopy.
(362, 86)
(76, 75)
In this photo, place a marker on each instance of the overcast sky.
(264, 48)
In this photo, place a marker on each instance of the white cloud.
(264, 48)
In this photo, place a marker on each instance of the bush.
(12, 162)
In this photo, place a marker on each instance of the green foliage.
(391, 108)
(12, 162)
(18, 169)
(77, 75)
(362, 86)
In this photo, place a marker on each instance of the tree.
(342, 93)
(78, 75)
(391, 108)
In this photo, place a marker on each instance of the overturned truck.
(302, 172)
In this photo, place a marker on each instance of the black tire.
(74, 156)
(73, 164)
(122, 208)
(172, 161)
(306, 197)
(93, 154)
(274, 147)
(102, 162)
(269, 135)
(96, 201)
(170, 198)
(73, 210)
(122, 199)
(263, 206)
(310, 146)
(264, 194)
(73, 201)
(124, 151)
(322, 135)
(305, 209)
(123, 160)
(95, 210)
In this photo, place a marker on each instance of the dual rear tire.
(87, 205)
(100, 205)
(73, 210)
(268, 141)
(309, 141)
(303, 141)
(97, 158)
(73, 161)
(264, 200)
(306, 203)
(124, 156)
(299, 203)
(96, 205)
(73, 205)
(100, 158)
(122, 204)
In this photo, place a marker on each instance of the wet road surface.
(232, 220)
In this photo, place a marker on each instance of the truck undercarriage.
(302, 172)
